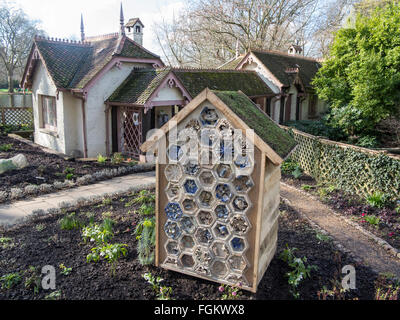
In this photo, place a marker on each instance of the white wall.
(95, 107)
(167, 93)
(73, 126)
(43, 85)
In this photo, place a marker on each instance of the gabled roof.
(73, 64)
(280, 63)
(133, 21)
(139, 86)
(273, 135)
(196, 80)
(141, 83)
(275, 142)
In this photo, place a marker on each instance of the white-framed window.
(48, 113)
(137, 29)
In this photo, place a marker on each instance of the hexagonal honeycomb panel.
(207, 225)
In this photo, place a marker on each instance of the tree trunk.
(10, 81)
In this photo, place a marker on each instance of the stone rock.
(17, 162)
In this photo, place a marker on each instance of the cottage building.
(103, 94)
(289, 76)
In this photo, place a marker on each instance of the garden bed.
(49, 172)
(42, 242)
(383, 222)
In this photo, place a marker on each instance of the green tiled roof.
(73, 65)
(141, 83)
(139, 86)
(278, 63)
(248, 82)
(274, 136)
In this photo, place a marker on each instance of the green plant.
(288, 166)
(144, 197)
(229, 292)
(40, 227)
(373, 220)
(55, 295)
(146, 209)
(306, 187)
(299, 271)
(110, 252)
(377, 199)
(70, 222)
(360, 77)
(367, 142)
(101, 159)
(98, 233)
(322, 237)
(117, 158)
(146, 236)
(5, 147)
(297, 173)
(106, 201)
(10, 280)
(6, 243)
(32, 279)
(64, 270)
(387, 287)
(162, 292)
(69, 173)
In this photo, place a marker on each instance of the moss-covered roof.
(139, 86)
(73, 65)
(273, 135)
(141, 83)
(197, 80)
(279, 63)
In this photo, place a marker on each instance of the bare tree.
(16, 35)
(206, 31)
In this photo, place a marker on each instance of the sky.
(61, 18)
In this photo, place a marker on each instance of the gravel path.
(360, 244)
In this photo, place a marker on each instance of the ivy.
(349, 169)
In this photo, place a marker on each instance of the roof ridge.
(284, 54)
(211, 69)
(103, 36)
(63, 41)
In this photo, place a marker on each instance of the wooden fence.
(16, 116)
(353, 169)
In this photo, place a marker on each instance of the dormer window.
(137, 29)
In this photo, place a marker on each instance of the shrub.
(377, 199)
(117, 158)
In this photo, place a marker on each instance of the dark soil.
(49, 245)
(43, 167)
(354, 208)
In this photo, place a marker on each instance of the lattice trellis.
(130, 136)
(351, 169)
(16, 116)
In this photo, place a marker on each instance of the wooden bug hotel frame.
(217, 207)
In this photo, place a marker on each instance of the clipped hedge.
(352, 169)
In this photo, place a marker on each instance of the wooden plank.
(259, 222)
